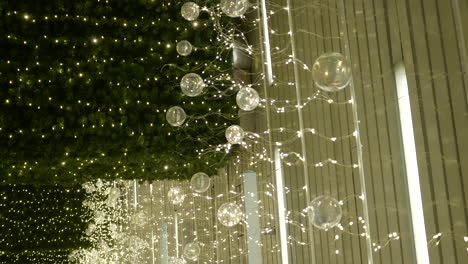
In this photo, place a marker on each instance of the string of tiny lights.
(39, 223)
(98, 115)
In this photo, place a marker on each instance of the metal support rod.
(152, 226)
(461, 40)
(301, 126)
(267, 81)
(358, 138)
(176, 231)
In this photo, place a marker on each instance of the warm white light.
(281, 207)
(411, 166)
(266, 39)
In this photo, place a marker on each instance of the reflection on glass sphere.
(140, 218)
(331, 72)
(175, 116)
(200, 182)
(324, 212)
(190, 11)
(114, 193)
(176, 195)
(234, 8)
(235, 134)
(175, 260)
(90, 230)
(192, 250)
(247, 99)
(229, 214)
(192, 84)
(184, 48)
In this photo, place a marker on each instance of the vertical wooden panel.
(424, 34)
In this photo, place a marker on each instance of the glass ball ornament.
(184, 48)
(175, 195)
(192, 251)
(235, 134)
(114, 193)
(234, 8)
(200, 182)
(190, 11)
(192, 84)
(247, 99)
(331, 72)
(140, 218)
(175, 260)
(324, 212)
(176, 116)
(229, 214)
(90, 230)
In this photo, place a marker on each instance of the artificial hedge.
(84, 86)
(40, 224)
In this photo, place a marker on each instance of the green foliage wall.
(84, 86)
(40, 224)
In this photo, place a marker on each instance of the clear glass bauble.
(90, 230)
(192, 84)
(234, 8)
(114, 193)
(229, 214)
(175, 195)
(184, 48)
(331, 72)
(324, 212)
(247, 99)
(176, 116)
(192, 251)
(190, 11)
(140, 218)
(235, 134)
(200, 182)
(175, 260)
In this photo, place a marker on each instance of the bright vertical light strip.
(266, 39)
(135, 195)
(252, 217)
(411, 166)
(176, 226)
(281, 207)
(152, 226)
(163, 243)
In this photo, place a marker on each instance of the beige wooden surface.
(429, 37)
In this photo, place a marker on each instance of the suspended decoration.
(176, 116)
(140, 218)
(184, 48)
(114, 193)
(331, 72)
(324, 212)
(176, 260)
(229, 214)
(113, 197)
(234, 8)
(190, 11)
(192, 250)
(200, 182)
(235, 134)
(192, 84)
(247, 99)
(90, 230)
(175, 195)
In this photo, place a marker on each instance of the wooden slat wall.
(159, 210)
(430, 37)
